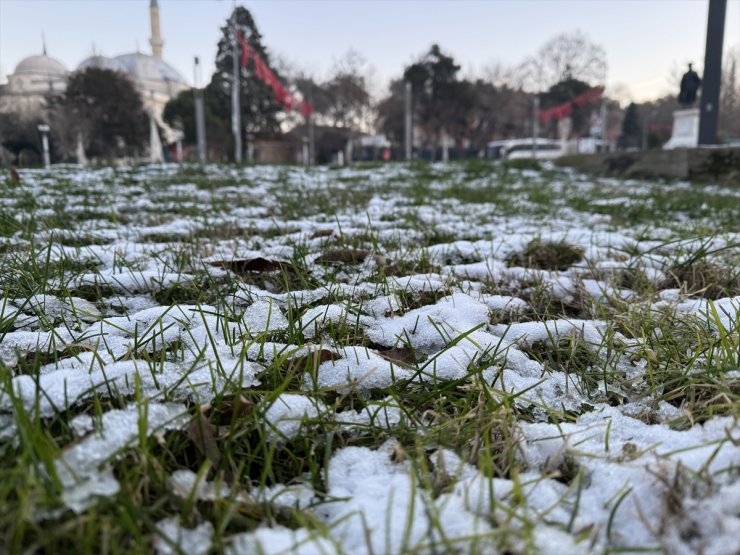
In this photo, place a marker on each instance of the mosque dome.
(42, 64)
(152, 73)
(101, 62)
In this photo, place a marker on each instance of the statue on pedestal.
(690, 83)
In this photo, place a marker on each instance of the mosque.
(37, 77)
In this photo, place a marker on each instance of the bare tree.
(500, 75)
(729, 100)
(349, 103)
(566, 56)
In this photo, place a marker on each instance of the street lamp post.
(200, 117)
(44, 130)
(535, 124)
(408, 132)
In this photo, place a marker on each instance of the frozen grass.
(414, 358)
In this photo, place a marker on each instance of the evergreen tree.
(104, 108)
(442, 103)
(259, 109)
(20, 136)
(562, 92)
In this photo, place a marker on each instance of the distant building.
(34, 79)
(37, 77)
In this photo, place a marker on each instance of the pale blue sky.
(646, 41)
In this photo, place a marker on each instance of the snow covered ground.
(401, 359)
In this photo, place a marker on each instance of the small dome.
(148, 69)
(41, 64)
(101, 62)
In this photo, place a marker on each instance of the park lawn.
(401, 358)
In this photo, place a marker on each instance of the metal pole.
(155, 144)
(304, 151)
(408, 129)
(535, 125)
(311, 141)
(45, 142)
(200, 126)
(200, 115)
(709, 113)
(604, 133)
(44, 130)
(250, 148)
(236, 123)
(80, 152)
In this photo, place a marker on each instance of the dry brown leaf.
(322, 233)
(253, 265)
(348, 256)
(404, 355)
(201, 432)
(15, 179)
(343, 256)
(236, 406)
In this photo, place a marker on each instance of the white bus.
(513, 149)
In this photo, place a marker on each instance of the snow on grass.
(176, 539)
(288, 413)
(79, 467)
(400, 359)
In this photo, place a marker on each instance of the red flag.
(260, 67)
(280, 93)
(246, 49)
(580, 100)
(271, 79)
(595, 93)
(306, 108)
(288, 101)
(263, 72)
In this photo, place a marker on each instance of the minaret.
(156, 39)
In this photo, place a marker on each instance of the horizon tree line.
(103, 111)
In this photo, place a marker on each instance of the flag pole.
(200, 119)
(311, 132)
(236, 123)
(535, 124)
(408, 122)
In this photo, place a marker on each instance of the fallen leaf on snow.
(255, 265)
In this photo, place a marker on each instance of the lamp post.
(535, 124)
(250, 148)
(200, 118)
(236, 121)
(408, 133)
(304, 152)
(44, 130)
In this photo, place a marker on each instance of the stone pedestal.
(685, 129)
